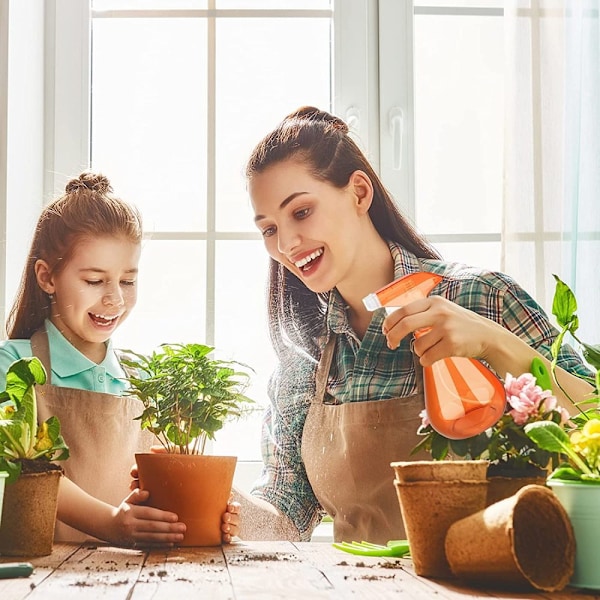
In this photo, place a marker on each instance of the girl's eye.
(94, 282)
(128, 282)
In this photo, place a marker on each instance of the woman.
(346, 396)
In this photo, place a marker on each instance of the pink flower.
(526, 398)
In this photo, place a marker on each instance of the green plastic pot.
(581, 502)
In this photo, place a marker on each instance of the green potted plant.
(188, 396)
(26, 451)
(515, 460)
(576, 481)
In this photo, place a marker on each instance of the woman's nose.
(287, 241)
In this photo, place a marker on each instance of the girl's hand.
(230, 522)
(134, 524)
(442, 328)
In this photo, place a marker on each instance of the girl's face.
(309, 226)
(94, 292)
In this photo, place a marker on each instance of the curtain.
(551, 219)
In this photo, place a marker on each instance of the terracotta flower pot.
(432, 496)
(195, 487)
(29, 514)
(522, 541)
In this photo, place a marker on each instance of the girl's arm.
(128, 524)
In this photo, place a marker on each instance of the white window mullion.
(67, 93)
(355, 87)
(396, 113)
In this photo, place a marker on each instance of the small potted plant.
(26, 451)
(188, 396)
(576, 481)
(515, 459)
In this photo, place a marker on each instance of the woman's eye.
(302, 213)
(128, 282)
(268, 231)
(94, 282)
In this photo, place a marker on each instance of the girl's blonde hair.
(86, 210)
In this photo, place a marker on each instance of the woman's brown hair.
(321, 142)
(88, 209)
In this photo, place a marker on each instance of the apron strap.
(40, 348)
(323, 369)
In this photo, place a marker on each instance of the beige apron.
(347, 450)
(101, 434)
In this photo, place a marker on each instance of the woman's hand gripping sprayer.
(462, 396)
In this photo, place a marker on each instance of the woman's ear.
(44, 276)
(362, 187)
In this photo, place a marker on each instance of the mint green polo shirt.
(70, 368)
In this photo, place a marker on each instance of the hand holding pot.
(230, 520)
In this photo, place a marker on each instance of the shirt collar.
(404, 262)
(67, 361)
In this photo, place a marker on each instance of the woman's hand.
(230, 522)
(442, 329)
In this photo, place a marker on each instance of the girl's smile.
(94, 292)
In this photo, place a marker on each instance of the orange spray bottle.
(462, 396)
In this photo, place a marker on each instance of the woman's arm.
(127, 524)
(457, 331)
(262, 521)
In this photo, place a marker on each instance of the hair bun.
(311, 113)
(89, 181)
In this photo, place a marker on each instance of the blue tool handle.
(541, 374)
(9, 570)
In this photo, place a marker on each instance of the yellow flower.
(43, 439)
(587, 442)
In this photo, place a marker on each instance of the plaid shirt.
(369, 370)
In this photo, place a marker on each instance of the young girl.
(78, 286)
(346, 395)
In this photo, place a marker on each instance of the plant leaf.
(564, 304)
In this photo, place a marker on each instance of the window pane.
(256, 55)
(149, 116)
(242, 333)
(147, 4)
(275, 4)
(459, 123)
(171, 297)
(478, 254)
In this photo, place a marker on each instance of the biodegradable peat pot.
(440, 470)
(520, 542)
(582, 503)
(29, 514)
(432, 496)
(195, 487)
(504, 483)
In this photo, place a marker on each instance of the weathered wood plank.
(274, 570)
(240, 571)
(184, 573)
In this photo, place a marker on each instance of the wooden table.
(237, 571)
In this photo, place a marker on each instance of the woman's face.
(309, 226)
(96, 290)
